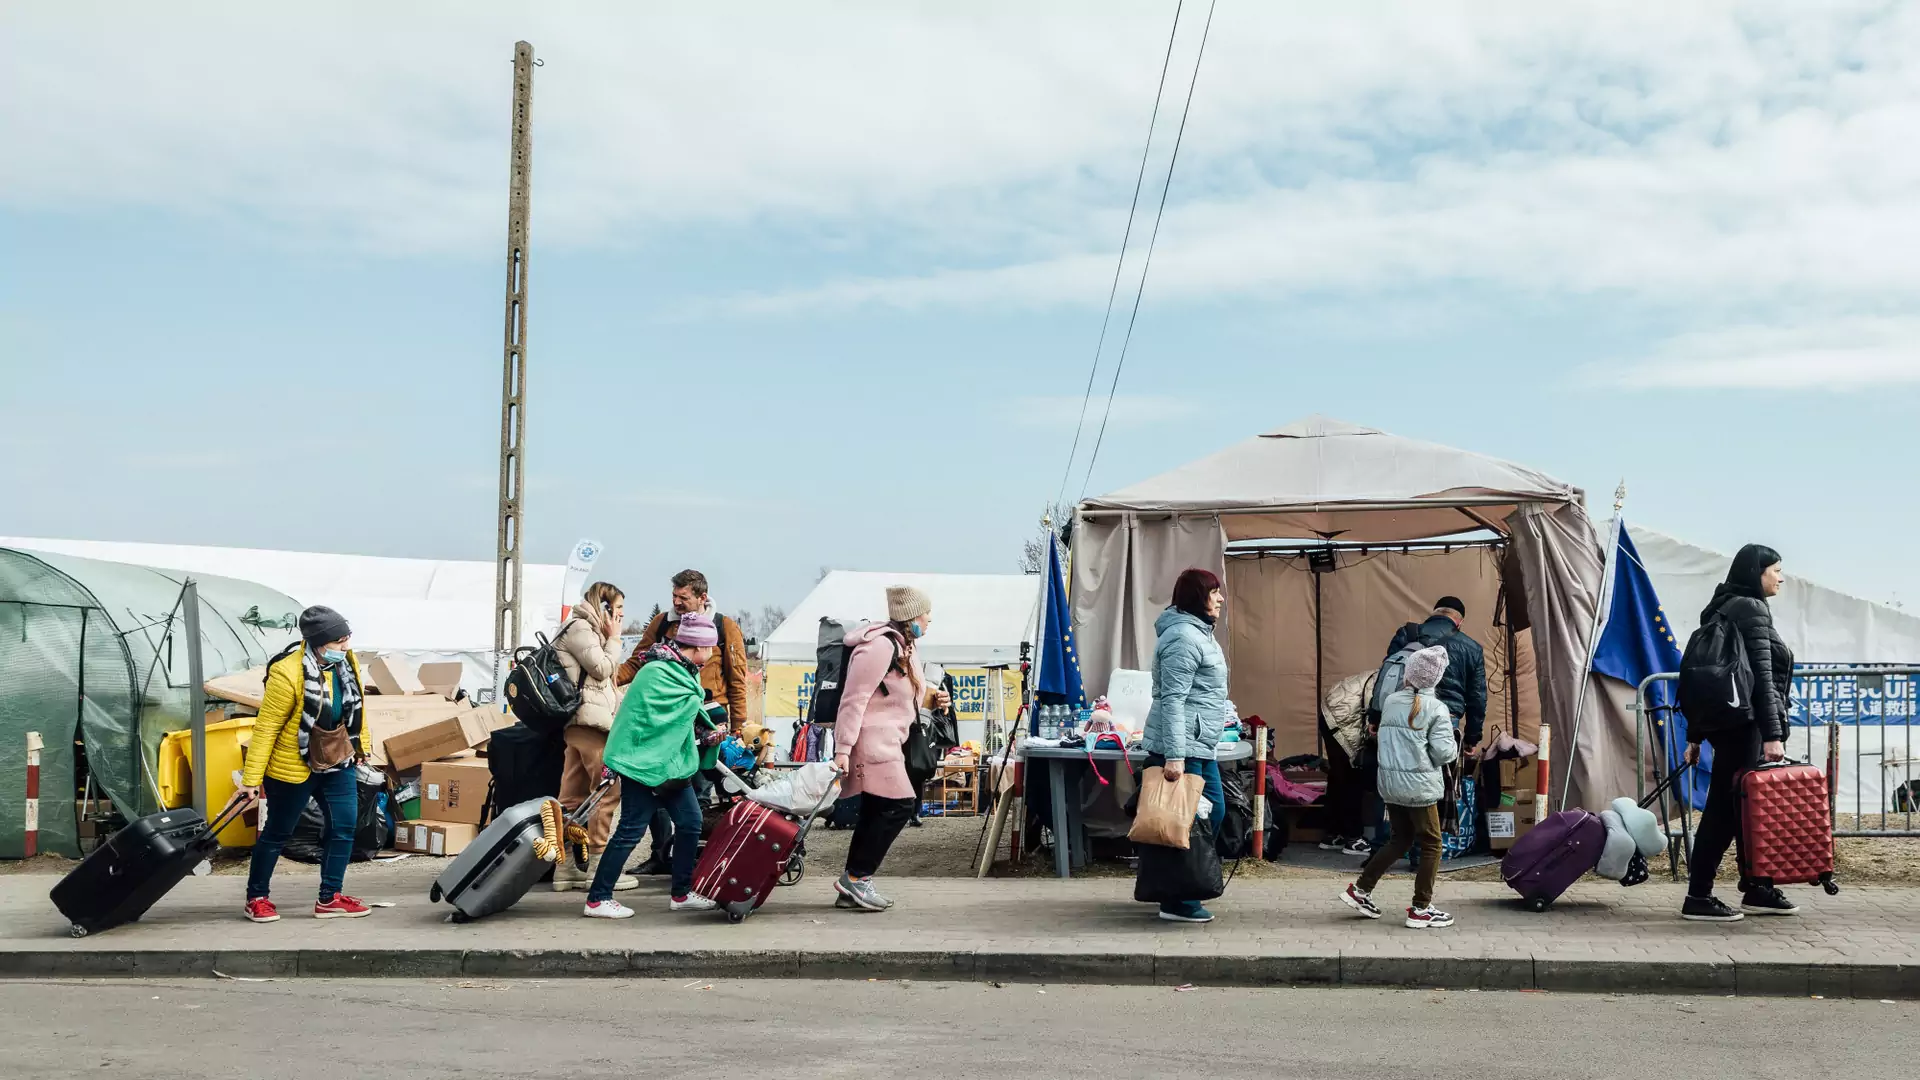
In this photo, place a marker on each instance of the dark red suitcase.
(751, 850)
(1786, 825)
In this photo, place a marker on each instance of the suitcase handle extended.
(237, 804)
(1665, 785)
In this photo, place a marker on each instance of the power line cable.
(1114, 290)
(1147, 266)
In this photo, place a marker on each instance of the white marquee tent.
(979, 620)
(424, 610)
(1822, 626)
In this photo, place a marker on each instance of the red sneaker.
(261, 909)
(341, 906)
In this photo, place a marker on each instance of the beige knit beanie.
(906, 603)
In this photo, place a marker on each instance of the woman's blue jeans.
(339, 795)
(637, 804)
(1209, 772)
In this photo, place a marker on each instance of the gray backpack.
(1393, 673)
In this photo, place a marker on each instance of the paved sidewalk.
(1600, 937)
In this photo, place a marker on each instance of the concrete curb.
(1772, 978)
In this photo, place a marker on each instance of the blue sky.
(824, 291)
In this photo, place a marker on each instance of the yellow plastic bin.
(226, 752)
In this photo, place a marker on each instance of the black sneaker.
(1767, 900)
(1708, 909)
(655, 866)
(1334, 843)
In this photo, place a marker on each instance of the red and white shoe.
(341, 906)
(1360, 902)
(1428, 918)
(261, 909)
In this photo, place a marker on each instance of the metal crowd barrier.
(1867, 702)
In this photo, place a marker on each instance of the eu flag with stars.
(1059, 682)
(1638, 641)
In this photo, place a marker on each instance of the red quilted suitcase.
(751, 850)
(1788, 830)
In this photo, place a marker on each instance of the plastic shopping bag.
(800, 791)
(1166, 810)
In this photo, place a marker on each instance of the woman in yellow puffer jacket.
(296, 754)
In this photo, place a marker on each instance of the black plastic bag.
(1236, 831)
(1168, 875)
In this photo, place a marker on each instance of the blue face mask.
(916, 629)
(333, 656)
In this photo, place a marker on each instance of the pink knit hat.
(1425, 667)
(697, 631)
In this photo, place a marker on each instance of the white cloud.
(1715, 159)
(1839, 354)
(1128, 411)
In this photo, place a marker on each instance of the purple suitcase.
(1553, 855)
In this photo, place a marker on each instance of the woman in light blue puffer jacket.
(1190, 707)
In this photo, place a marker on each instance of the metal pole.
(196, 692)
(513, 391)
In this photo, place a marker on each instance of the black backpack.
(1716, 681)
(539, 690)
(830, 658)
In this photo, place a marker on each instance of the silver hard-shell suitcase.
(500, 866)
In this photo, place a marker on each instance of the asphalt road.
(581, 1029)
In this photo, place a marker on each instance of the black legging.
(873, 835)
(1734, 752)
(1346, 789)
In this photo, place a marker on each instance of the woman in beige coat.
(589, 649)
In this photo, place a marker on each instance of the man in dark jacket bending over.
(1463, 689)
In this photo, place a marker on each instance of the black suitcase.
(525, 764)
(136, 867)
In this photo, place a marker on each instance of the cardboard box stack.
(1515, 814)
(422, 738)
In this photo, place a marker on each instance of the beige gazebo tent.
(1328, 537)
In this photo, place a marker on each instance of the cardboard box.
(434, 837)
(1515, 821)
(392, 677)
(388, 717)
(247, 687)
(454, 791)
(430, 742)
(441, 679)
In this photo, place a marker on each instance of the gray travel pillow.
(1616, 855)
(1642, 825)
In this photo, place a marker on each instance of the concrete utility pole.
(513, 391)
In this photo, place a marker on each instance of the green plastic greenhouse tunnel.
(93, 656)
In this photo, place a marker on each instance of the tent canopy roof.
(1330, 479)
(978, 619)
(393, 604)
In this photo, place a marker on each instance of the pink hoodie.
(872, 726)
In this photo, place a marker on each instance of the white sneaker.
(608, 909)
(1428, 918)
(691, 902)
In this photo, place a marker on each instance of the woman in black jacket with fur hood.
(1742, 599)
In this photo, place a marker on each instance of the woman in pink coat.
(882, 698)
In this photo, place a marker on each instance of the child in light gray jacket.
(1416, 741)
